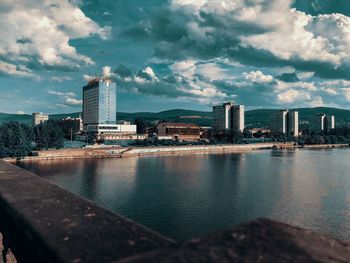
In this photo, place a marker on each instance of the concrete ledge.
(44, 223)
(260, 241)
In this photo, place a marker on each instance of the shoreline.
(128, 152)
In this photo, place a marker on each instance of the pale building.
(322, 122)
(100, 109)
(279, 122)
(285, 122)
(99, 104)
(39, 117)
(222, 117)
(237, 118)
(293, 123)
(228, 117)
(329, 123)
(317, 123)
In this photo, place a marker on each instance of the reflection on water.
(187, 196)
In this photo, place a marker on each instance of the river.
(188, 196)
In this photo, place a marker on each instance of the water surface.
(187, 196)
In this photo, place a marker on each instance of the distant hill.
(254, 118)
(202, 118)
(342, 117)
(24, 118)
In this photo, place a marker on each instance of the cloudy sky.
(167, 54)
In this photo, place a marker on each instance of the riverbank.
(125, 152)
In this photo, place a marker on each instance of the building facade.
(279, 122)
(322, 122)
(316, 124)
(99, 104)
(329, 123)
(179, 131)
(285, 122)
(38, 117)
(228, 117)
(100, 111)
(71, 126)
(293, 123)
(222, 116)
(237, 115)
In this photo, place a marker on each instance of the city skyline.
(175, 54)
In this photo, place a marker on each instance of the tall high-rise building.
(99, 103)
(279, 122)
(293, 123)
(237, 116)
(38, 117)
(316, 123)
(222, 116)
(100, 110)
(329, 123)
(285, 122)
(322, 122)
(228, 117)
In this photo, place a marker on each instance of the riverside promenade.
(124, 152)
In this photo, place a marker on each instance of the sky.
(166, 54)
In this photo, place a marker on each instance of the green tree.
(141, 125)
(15, 139)
(49, 135)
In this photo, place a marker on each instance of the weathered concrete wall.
(44, 223)
(262, 241)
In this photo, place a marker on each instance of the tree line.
(19, 139)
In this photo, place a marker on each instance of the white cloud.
(258, 77)
(346, 93)
(20, 112)
(212, 71)
(107, 72)
(330, 91)
(281, 85)
(275, 26)
(60, 78)
(88, 77)
(316, 102)
(66, 98)
(39, 32)
(305, 75)
(60, 93)
(292, 96)
(150, 72)
(11, 69)
(74, 102)
(186, 68)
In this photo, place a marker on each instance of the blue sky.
(167, 54)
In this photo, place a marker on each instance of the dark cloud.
(316, 7)
(249, 94)
(288, 77)
(123, 71)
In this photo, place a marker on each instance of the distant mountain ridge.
(254, 118)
